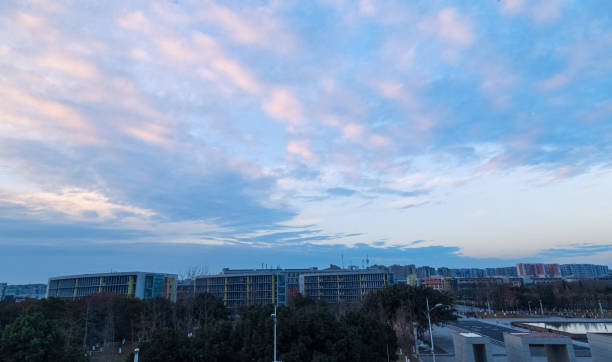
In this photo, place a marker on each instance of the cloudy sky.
(165, 134)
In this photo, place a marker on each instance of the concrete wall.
(601, 347)
(472, 347)
(557, 348)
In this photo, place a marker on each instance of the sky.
(163, 135)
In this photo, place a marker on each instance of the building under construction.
(342, 286)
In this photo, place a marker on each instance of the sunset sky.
(160, 135)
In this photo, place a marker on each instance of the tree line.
(579, 296)
(200, 328)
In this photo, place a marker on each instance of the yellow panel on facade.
(225, 292)
(338, 287)
(171, 288)
(131, 285)
(76, 285)
(273, 289)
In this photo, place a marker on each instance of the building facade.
(136, 284)
(247, 288)
(2, 290)
(343, 286)
(509, 272)
(538, 270)
(584, 271)
(24, 291)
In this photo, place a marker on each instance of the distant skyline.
(168, 134)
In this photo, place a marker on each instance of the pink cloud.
(301, 148)
(378, 141)
(283, 105)
(555, 82)
(454, 28)
(352, 131)
(71, 66)
(258, 26)
(135, 21)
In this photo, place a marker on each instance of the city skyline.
(159, 135)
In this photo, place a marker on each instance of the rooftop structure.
(472, 347)
(522, 347)
(141, 285)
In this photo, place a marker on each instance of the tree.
(33, 338)
(166, 345)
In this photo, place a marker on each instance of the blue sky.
(168, 134)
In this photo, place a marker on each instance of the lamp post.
(541, 308)
(273, 315)
(529, 304)
(433, 353)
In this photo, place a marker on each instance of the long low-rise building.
(247, 288)
(343, 286)
(141, 285)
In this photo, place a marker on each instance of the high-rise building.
(343, 286)
(2, 290)
(509, 272)
(137, 284)
(538, 270)
(424, 272)
(238, 290)
(584, 271)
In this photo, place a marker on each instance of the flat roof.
(470, 335)
(107, 274)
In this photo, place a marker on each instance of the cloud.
(545, 11)
(511, 6)
(301, 148)
(258, 26)
(451, 26)
(553, 83)
(36, 26)
(378, 141)
(352, 132)
(73, 202)
(77, 68)
(282, 105)
(135, 21)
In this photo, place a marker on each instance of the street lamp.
(529, 304)
(433, 353)
(273, 315)
(136, 354)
